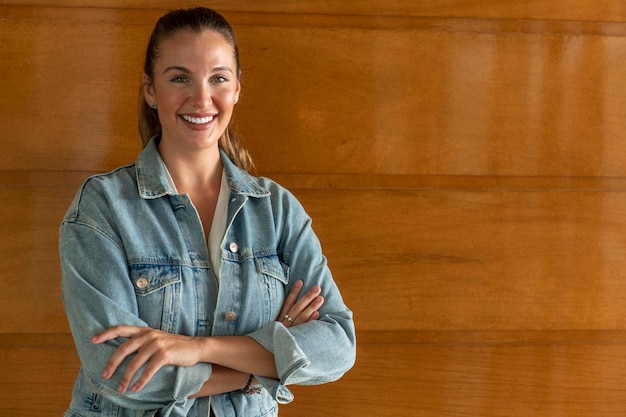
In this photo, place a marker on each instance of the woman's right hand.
(294, 311)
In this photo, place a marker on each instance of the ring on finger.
(289, 318)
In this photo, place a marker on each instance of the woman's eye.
(180, 79)
(219, 79)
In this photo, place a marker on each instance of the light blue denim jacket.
(133, 252)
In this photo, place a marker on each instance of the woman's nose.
(201, 97)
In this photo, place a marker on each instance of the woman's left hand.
(152, 347)
(294, 311)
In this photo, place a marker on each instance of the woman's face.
(195, 88)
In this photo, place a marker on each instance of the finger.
(116, 331)
(148, 357)
(155, 363)
(309, 296)
(311, 311)
(286, 320)
(132, 345)
(301, 305)
(142, 356)
(160, 352)
(106, 335)
(290, 300)
(305, 301)
(125, 349)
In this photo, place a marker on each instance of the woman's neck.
(195, 170)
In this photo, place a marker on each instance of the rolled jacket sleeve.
(98, 294)
(318, 351)
(326, 361)
(288, 357)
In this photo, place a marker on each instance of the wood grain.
(412, 101)
(459, 259)
(587, 10)
(463, 163)
(38, 374)
(396, 380)
(425, 260)
(454, 381)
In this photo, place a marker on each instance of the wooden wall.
(464, 163)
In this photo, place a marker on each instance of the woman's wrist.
(241, 353)
(223, 380)
(251, 386)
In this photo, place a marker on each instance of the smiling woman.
(224, 54)
(191, 287)
(195, 89)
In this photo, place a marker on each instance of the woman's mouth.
(197, 120)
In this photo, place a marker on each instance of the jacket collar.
(153, 180)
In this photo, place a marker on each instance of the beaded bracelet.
(249, 388)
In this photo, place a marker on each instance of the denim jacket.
(133, 252)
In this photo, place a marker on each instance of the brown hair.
(197, 20)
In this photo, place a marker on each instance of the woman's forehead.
(196, 48)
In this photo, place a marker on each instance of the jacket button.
(230, 316)
(233, 247)
(142, 283)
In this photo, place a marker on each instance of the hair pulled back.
(196, 20)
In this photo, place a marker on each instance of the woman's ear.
(237, 92)
(148, 91)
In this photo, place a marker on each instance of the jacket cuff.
(288, 356)
(189, 379)
(172, 400)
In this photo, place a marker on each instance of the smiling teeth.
(198, 120)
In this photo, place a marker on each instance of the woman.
(182, 272)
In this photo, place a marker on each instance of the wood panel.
(587, 10)
(428, 102)
(446, 250)
(463, 162)
(473, 380)
(38, 374)
(32, 206)
(438, 102)
(73, 98)
(491, 259)
(565, 378)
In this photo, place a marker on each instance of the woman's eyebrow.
(177, 68)
(217, 69)
(187, 71)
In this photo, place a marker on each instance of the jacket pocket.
(272, 268)
(273, 276)
(95, 405)
(158, 292)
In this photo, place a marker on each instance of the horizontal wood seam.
(72, 179)
(105, 15)
(390, 338)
